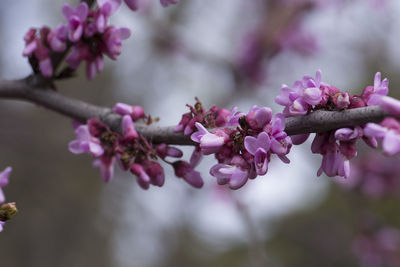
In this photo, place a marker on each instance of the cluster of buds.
(244, 143)
(85, 37)
(339, 146)
(130, 150)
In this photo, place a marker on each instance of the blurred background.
(228, 53)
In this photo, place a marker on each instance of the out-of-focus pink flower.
(391, 105)
(106, 165)
(136, 112)
(76, 19)
(389, 131)
(112, 39)
(57, 38)
(128, 129)
(4, 179)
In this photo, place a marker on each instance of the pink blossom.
(388, 131)
(186, 170)
(142, 177)
(4, 179)
(57, 38)
(373, 95)
(136, 112)
(106, 165)
(76, 19)
(259, 148)
(233, 174)
(128, 129)
(233, 118)
(209, 143)
(258, 117)
(390, 105)
(85, 143)
(112, 39)
(334, 163)
(280, 142)
(164, 150)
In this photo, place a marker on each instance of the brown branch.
(318, 121)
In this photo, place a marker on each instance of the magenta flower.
(280, 142)
(334, 163)
(233, 118)
(259, 147)
(76, 19)
(186, 170)
(234, 175)
(209, 143)
(105, 10)
(390, 105)
(106, 165)
(304, 94)
(258, 117)
(112, 39)
(389, 131)
(164, 150)
(85, 143)
(372, 95)
(42, 53)
(57, 38)
(155, 172)
(4, 179)
(347, 134)
(142, 177)
(128, 129)
(2, 226)
(136, 112)
(30, 42)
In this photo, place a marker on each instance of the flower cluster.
(85, 37)
(130, 150)
(375, 176)
(378, 247)
(244, 143)
(4, 177)
(336, 147)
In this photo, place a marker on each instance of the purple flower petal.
(261, 161)
(250, 143)
(390, 105)
(374, 130)
(4, 176)
(391, 143)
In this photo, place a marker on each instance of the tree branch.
(318, 121)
